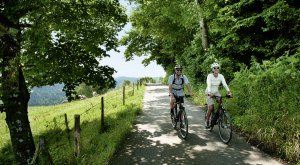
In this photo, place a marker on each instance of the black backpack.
(182, 81)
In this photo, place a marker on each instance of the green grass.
(96, 146)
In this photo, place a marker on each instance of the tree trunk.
(203, 29)
(15, 97)
(204, 34)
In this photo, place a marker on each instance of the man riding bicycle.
(176, 86)
(213, 81)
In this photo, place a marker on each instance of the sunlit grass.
(96, 145)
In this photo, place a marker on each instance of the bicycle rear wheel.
(225, 127)
(183, 129)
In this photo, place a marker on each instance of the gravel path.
(154, 141)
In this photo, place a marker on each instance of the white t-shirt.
(213, 83)
(177, 87)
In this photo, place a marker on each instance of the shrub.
(266, 104)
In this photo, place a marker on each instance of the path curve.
(154, 141)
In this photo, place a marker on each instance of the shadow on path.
(154, 141)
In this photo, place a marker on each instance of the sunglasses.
(179, 70)
(216, 68)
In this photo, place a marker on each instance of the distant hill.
(47, 95)
(120, 80)
(51, 95)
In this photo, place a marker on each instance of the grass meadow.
(97, 146)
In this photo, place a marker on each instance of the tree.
(126, 83)
(161, 30)
(203, 28)
(47, 42)
(261, 29)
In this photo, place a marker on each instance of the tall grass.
(266, 105)
(96, 145)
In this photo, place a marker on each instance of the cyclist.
(176, 85)
(213, 81)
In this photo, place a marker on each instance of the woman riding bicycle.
(213, 81)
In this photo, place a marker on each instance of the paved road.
(154, 141)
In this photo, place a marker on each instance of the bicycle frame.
(222, 118)
(219, 110)
(180, 116)
(179, 103)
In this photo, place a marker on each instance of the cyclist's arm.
(187, 83)
(225, 86)
(170, 89)
(208, 82)
(189, 89)
(170, 85)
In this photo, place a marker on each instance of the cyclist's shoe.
(181, 125)
(207, 126)
(172, 113)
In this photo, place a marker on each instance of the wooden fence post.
(123, 95)
(137, 85)
(67, 127)
(77, 136)
(102, 113)
(132, 89)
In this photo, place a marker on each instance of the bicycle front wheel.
(173, 120)
(183, 129)
(225, 127)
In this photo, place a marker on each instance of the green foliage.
(62, 43)
(87, 90)
(161, 29)
(266, 103)
(146, 80)
(126, 83)
(264, 30)
(96, 146)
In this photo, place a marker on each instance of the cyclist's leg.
(172, 103)
(208, 114)
(210, 106)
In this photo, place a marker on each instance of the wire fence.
(57, 122)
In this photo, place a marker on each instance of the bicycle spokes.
(173, 119)
(183, 124)
(225, 127)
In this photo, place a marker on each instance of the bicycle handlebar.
(186, 95)
(226, 96)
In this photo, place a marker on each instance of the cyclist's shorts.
(209, 100)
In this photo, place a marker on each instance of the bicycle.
(180, 116)
(222, 119)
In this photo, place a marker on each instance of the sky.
(132, 68)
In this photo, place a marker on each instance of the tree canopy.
(47, 42)
(65, 42)
(168, 31)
